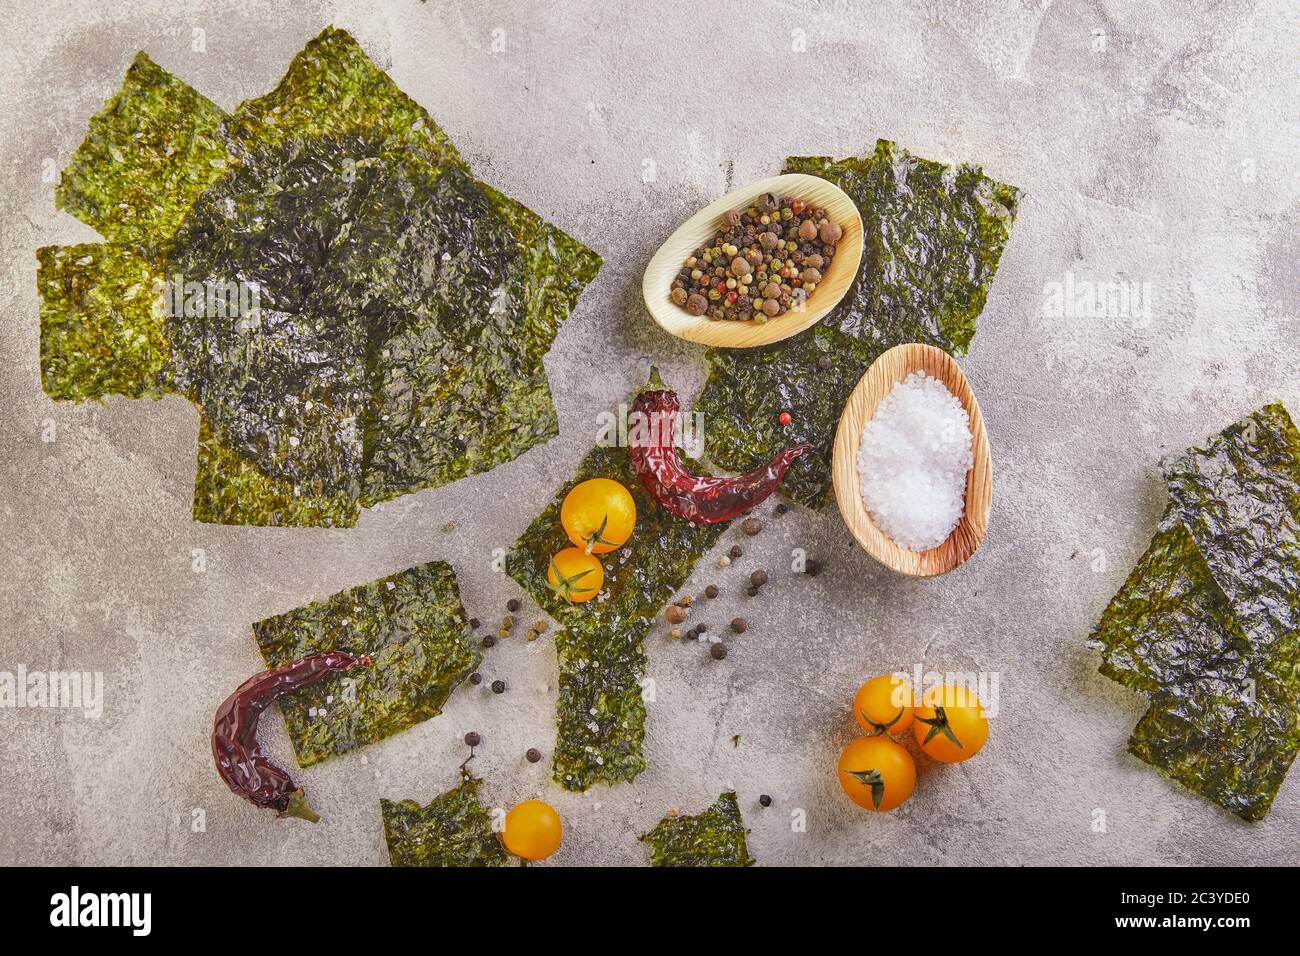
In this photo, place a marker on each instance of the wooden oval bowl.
(886, 372)
(694, 232)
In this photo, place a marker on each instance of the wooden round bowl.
(701, 227)
(886, 372)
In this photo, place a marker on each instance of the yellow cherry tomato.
(533, 830)
(575, 575)
(877, 773)
(883, 705)
(950, 723)
(598, 515)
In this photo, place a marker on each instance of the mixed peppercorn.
(763, 262)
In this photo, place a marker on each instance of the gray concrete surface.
(1157, 143)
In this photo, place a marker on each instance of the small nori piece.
(405, 308)
(455, 829)
(414, 629)
(1205, 624)
(100, 331)
(601, 654)
(933, 237)
(151, 150)
(715, 837)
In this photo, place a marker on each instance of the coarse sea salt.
(912, 465)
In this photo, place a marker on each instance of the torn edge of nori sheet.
(455, 829)
(102, 331)
(715, 837)
(416, 632)
(934, 235)
(601, 650)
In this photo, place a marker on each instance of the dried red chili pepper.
(240, 761)
(702, 499)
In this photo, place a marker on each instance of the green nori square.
(933, 237)
(415, 631)
(455, 829)
(600, 715)
(1205, 624)
(715, 837)
(403, 309)
(100, 332)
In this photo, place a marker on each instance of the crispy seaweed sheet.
(715, 837)
(356, 316)
(933, 237)
(600, 715)
(1206, 625)
(455, 829)
(415, 630)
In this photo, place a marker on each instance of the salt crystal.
(915, 454)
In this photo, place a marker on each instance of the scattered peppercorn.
(751, 526)
(763, 261)
(701, 628)
(533, 755)
(752, 592)
(758, 578)
(473, 739)
(489, 641)
(781, 507)
(711, 591)
(475, 623)
(764, 800)
(512, 605)
(675, 614)
(736, 551)
(498, 687)
(740, 625)
(718, 651)
(476, 678)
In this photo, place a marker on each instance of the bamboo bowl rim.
(885, 372)
(836, 282)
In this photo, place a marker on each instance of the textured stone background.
(1157, 143)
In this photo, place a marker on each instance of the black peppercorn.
(764, 800)
(711, 591)
(740, 625)
(735, 551)
(533, 755)
(474, 623)
(473, 739)
(489, 641)
(512, 605)
(476, 678)
(752, 592)
(782, 507)
(718, 651)
(498, 687)
(758, 578)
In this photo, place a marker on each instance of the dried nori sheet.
(404, 308)
(1205, 625)
(455, 829)
(933, 237)
(414, 629)
(715, 837)
(600, 715)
